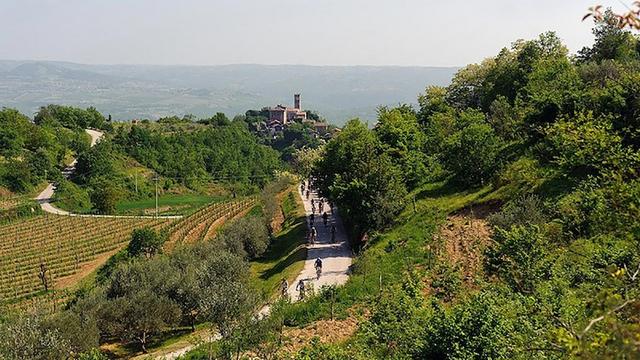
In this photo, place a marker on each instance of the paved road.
(46, 196)
(336, 257)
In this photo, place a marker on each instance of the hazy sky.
(318, 32)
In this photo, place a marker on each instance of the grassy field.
(391, 255)
(285, 258)
(167, 204)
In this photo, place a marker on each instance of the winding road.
(45, 198)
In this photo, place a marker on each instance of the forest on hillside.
(188, 158)
(550, 143)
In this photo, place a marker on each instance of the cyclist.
(314, 234)
(300, 287)
(333, 233)
(307, 194)
(325, 218)
(318, 266)
(284, 287)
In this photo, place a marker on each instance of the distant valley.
(149, 91)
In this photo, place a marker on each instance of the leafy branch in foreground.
(630, 19)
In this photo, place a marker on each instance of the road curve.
(45, 198)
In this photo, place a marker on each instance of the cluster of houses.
(281, 116)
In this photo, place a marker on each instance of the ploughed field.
(68, 246)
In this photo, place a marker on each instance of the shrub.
(476, 329)
(516, 256)
(247, 237)
(524, 210)
(146, 242)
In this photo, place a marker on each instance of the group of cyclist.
(312, 237)
(301, 287)
(313, 232)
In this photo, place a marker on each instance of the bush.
(396, 326)
(524, 210)
(247, 237)
(476, 329)
(516, 256)
(471, 153)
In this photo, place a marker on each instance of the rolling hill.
(148, 91)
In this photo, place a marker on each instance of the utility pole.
(156, 179)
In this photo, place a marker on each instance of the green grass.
(389, 257)
(167, 204)
(285, 257)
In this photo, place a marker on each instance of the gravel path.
(46, 196)
(336, 257)
(336, 261)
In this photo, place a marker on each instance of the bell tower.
(296, 101)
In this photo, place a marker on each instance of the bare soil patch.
(278, 218)
(85, 269)
(463, 238)
(327, 331)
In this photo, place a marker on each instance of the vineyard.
(202, 224)
(42, 253)
(36, 253)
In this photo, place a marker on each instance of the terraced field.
(202, 224)
(57, 251)
(47, 249)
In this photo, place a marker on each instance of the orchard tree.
(145, 242)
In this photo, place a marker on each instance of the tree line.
(555, 139)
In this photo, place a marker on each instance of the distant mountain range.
(149, 91)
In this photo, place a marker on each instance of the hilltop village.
(272, 121)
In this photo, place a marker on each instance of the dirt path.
(45, 197)
(336, 257)
(336, 262)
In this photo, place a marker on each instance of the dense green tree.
(611, 42)
(403, 140)
(104, 197)
(70, 117)
(361, 179)
(471, 154)
(145, 242)
(247, 237)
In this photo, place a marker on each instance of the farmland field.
(59, 246)
(65, 248)
(167, 205)
(202, 224)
